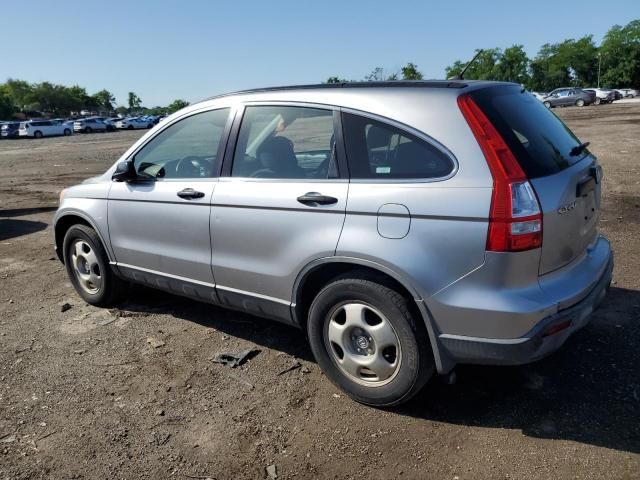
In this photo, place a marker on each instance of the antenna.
(460, 76)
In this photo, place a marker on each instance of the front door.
(277, 207)
(159, 224)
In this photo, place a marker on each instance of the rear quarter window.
(377, 150)
(540, 141)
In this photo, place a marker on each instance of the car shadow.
(10, 228)
(20, 212)
(588, 391)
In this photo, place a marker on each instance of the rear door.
(279, 205)
(159, 224)
(564, 174)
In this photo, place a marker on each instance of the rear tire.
(547, 104)
(88, 267)
(368, 342)
(598, 101)
(67, 132)
(580, 103)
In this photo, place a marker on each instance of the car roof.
(391, 84)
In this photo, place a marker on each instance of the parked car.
(133, 123)
(602, 95)
(9, 129)
(403, 241)
(89, 125)
(563, 97)
(540, 96)
(42, 128)
(629, 92)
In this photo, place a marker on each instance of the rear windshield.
(541, 142)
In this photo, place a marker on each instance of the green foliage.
(104, 99)
(410, 72)
(336, 80)
(176, 105)
(620, 52)
(134, 101)
(6, 105)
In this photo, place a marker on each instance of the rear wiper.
(578, 149)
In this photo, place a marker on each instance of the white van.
(43, 128)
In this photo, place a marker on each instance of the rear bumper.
(538, 342)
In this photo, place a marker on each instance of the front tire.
(37, 134)
(547, 104)
(88, 267)
(130, 127)
(580, 103)
(368, 342)
(88, 130)
(67, 132)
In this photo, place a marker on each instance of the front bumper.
(538, 342)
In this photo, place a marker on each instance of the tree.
(134, 101)
(18, 91)
(620, 50)
(121, 110)
(336, 80)
(483, 68)
(104, 99)
(177, 105)
(513, 66)
(410, 72)
(6, 104)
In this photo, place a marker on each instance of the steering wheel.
(263, 173)
(192, 166)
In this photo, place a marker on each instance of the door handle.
(313, 199)
(190, 193)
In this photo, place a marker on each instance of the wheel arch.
(320, 272)
(66, 221)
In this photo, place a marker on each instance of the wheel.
(88, 268)
(368, 342)
(547, 104)
(130, 127)
(88, 129)
(579, 102)
(598, 101)
(37, 134)
(67, 132)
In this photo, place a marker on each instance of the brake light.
(515, 219)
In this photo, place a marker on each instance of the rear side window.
(377, 150)
(541, 142)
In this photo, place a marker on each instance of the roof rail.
(373, 84)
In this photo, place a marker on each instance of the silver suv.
(405, 227)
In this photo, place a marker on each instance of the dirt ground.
(84, 394)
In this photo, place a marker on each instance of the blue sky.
(192, 49)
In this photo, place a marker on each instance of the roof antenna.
(460, 76)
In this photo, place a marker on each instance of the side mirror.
(125, 171)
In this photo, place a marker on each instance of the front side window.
(377, 150)
(285, 142)
(186, 149)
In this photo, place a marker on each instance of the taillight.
(515, 219)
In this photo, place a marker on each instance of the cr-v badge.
(567, 208)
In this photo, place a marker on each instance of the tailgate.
(564, 174)
(570, 203)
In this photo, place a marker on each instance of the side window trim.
(232, 141)
(412, 131)
(221, 146)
